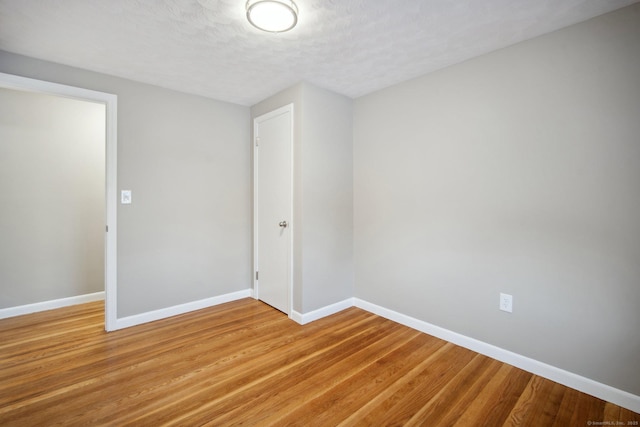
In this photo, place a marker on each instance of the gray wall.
(187, 235)
(323, 194)
(513, 172)
(52, 180)
(327, 200)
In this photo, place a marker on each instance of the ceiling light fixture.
(275, 16)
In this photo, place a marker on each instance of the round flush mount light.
(275, 16)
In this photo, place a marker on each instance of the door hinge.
(257, 141)
(256, 275)
(107, 227)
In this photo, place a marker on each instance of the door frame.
(256, 156)
(110, 101)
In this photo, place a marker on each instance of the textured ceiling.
(207, 47)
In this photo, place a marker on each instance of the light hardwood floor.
(246, 363)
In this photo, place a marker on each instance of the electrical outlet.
(506, 302)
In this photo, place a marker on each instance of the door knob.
(283, 224)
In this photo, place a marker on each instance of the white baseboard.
(50, 305)
(569, 379)
(163, 313)
(321, 312)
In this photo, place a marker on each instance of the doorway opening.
(109, 104)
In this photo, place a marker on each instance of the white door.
(273, 205)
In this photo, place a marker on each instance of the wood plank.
(612, 413)
(540, 398)
(300, 382)
(494, 403)
(340, 401)
(246, 363)
(398, 403)
(261, 369)
(449, 405)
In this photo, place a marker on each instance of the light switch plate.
(125, 197)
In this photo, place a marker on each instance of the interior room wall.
(52, 181)
(513, 172)
(323, 188)
(327, 158)
(187, 234)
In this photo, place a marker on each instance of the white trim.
(569, 379)
(288, 108)
(292, 223)
(314, 315)
(111, 172)
(111, 237)
(50, 305)
(150, 316)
